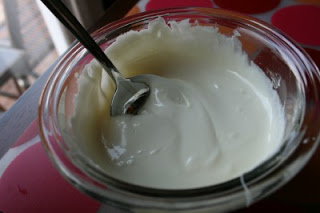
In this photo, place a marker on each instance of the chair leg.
(2, 109)
(8, 95)
(26, 82)
(17, 85)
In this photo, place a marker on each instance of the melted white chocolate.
(211, 116)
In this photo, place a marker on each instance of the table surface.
(304, 188)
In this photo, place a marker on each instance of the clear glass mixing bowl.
(295, 78)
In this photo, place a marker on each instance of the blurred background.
(31, 39)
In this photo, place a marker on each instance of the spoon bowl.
(128, 97)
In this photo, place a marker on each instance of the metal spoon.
(129, 96)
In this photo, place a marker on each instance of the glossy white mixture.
(211, 116)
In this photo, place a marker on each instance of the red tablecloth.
(29, 182)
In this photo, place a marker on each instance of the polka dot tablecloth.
(29, 183)
(299, 19)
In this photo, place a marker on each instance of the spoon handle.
(73, 25)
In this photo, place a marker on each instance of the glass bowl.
(294, 75)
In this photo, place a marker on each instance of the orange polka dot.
(133, 11)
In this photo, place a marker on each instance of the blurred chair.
(12, 64)
(30, 43)
(27, 30)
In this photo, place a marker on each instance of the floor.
(40, 68)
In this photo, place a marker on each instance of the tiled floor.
(39, 68)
